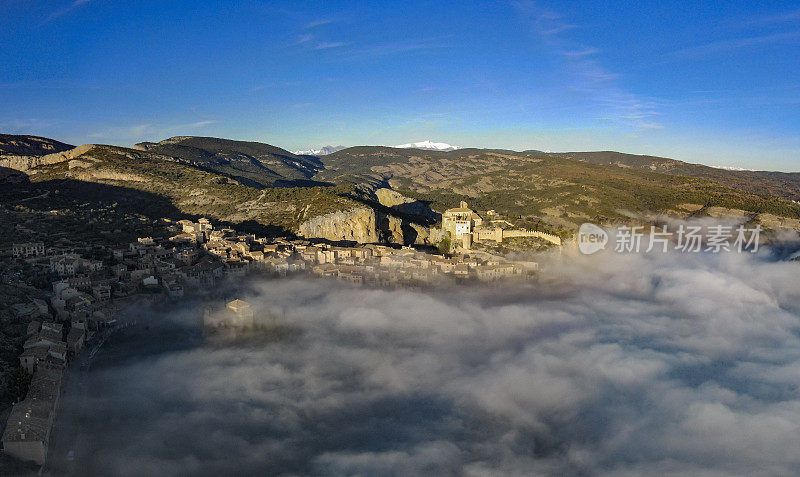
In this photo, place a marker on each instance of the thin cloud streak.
(64, 10)
(325, 45)
(303, 39)
(591, 78)
(396, 48)
(771, 19)
(731, 45)
(581, 53)
(317, 23)
(147, 131)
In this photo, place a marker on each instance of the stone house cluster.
(46, 342)
(371, 264)
(88, 291)
(241, 254)
(45, 356)
(386, 266)
(199, 255)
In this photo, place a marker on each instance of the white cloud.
(302, 39)
(674, 364)
(324, 45)
(317, 23)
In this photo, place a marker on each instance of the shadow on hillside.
(67, 193)
(12, 176)
(426, 220)
(301, 183)
(226, 175)
(115, 202)
(259, 229)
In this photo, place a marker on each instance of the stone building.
(75, 339)
(242, 312)
(460, 222)
(29, 249)
(27, 432)
(45, 345)
(237, 314)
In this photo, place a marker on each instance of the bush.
(445, 244)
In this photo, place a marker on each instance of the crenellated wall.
(498, 235)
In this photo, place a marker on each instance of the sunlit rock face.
(366, 225)
(359, 225)
(24, 163)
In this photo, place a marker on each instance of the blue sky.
(717, 83)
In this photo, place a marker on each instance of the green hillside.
(23, 145)
(247, 182)
(770, 183)
(253, 163)
(538, 187)
(191, 190)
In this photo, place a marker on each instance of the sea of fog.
(638, 364)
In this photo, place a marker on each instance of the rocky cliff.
(24, 163)
(366, 225)
(358, 225)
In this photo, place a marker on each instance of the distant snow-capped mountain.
(430, 145)
(319, 152)
(733, 168)
(427, 145)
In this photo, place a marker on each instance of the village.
(192, 257)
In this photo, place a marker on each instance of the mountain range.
(20, 145)
(265, 185)
(323, 151)
(781, 184)
(428, 145)
(252, 163)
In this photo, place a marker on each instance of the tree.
(445, 244)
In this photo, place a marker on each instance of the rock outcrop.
(428, 235)
(358, 225)
(391, 198)
(397, 201)
(92, 175)
(24, 163)
(366, 225)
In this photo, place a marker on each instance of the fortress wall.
(532, 233)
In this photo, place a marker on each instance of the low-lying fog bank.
(623, 365)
